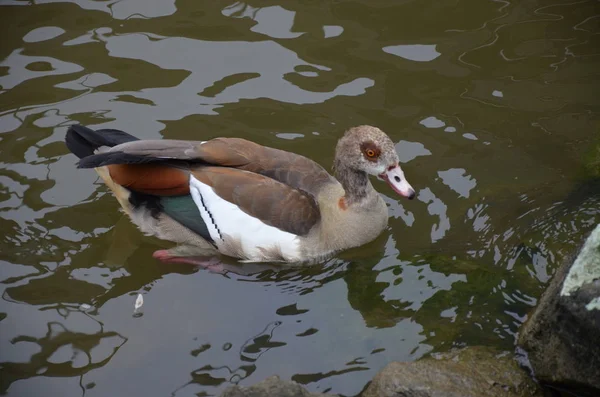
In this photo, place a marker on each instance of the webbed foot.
(210, 263)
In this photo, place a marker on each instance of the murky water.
(495, 110)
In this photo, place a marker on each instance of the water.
(493, 105)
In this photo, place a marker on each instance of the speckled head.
(370, 150)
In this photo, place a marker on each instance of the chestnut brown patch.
(370, 150)
(342, 204)
(152, 179)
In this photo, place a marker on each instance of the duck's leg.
(206, 259)
(193, 256)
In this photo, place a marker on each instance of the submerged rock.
(271, 387)
(470, 372)
(562, 336)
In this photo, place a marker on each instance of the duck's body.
(244, 200)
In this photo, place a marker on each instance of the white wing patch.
(225, 220)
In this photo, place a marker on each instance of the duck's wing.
(288, 168)
(236, 199)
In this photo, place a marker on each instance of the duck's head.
(370, 150)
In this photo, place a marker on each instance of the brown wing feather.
(160, 148)
(274, 203)
(289, 168)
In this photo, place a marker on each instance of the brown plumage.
(151, 179)
(288, 168)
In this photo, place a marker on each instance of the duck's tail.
(155, 196)
(84, 141)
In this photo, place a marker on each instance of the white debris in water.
(470, 136)
(289, 135)
(497, 94)
(432, 122)
(84, 307)
(450, 129)
(586, 267)
(594, 304)
(138, 302)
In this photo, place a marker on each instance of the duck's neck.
(356, 183)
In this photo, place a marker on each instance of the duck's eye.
(370, 150)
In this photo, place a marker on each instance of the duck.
(234, 197)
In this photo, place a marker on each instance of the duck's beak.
(395, 178)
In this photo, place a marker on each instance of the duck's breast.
(343, 226)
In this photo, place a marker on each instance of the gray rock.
(562, 336)
(470, 372)
(271, 387)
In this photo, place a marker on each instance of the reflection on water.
(414, 52)
(274, 21)
(493, 113)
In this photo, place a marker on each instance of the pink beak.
(395, 178)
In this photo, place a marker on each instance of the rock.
(562, 336)
(271, 387)
(470, 372)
